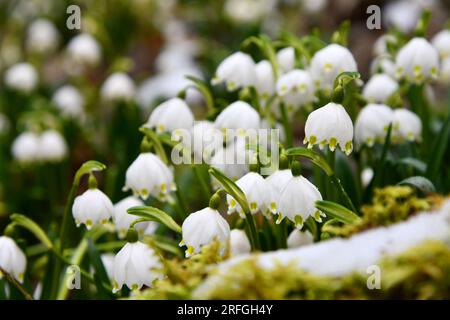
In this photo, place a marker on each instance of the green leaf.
(337, 211)
(100, 274)
(340, 36)
(420, 183)
(154, 138)
(345, 78)
(155, 214)
(231, 188)
(437, 154)
(413, 162)
(87, 167)
(33, 227)
(315, 158)
(205, 90)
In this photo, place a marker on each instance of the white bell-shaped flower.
(298, 198)
(91, 208)
(441, 41)
(12, 258)
(118, 87)
(238, 116)
(84, 49)
(52, 146)
(372, 123)
(402, 15)
(259, 194)
(286, 59)
(328, 63)
(108, 263)
(278, 180)
(239, 243)
(330, 125)
(417, 61)
(171, 115)
(205, 140)
(202, 228)
(69, 101)
(407, 125)
(236, 71)
(122, 219)
(42, 36)
(21, 77)
(379, 88)
(148, 175)
(299, 238)
(295, 88)
(136, 265)
(25, 147)
(265, 81)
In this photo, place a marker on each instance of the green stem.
(253, 233)
(203, 184)
(16, 284)
(331, 158)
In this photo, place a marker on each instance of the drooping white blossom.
(42, 36)
(372, 124)
(91, 208)
(286, 59)
(299, 238)
(122, 219)
(12, 258)
(328, 63)
(21, 77)
(407, 125)
(441, 41)
(366, 176)
(239, 243)
(236, 71)
(69, 100)
(118, 87)
(136, 265)
(202, 228)
(329, 125)
(25, 147)
(205, 140)
(379, 88)
(295, 88)
(279, 179)
(84, 49)
(265, 82)
(52, 146)
(417, 61)
(239, 116)
(149, 176)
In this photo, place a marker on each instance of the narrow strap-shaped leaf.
(420, 183)
(315, 158)
(437, 154)
(33, 227)
(413, 162)
(100, 274)
(337, 211)
(155, 214)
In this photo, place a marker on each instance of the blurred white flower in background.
(118, 87)
(69, 100)
(265, 81)
(441, 41)
(236, 71)
(202, 228)
(149, 176)
(21, 77)
(380, 46)
(122, 219)
(52, 146)
(295, 88)
(328, 63)
(248, 11)
(444, 76)
(91, 208)
(136, 265)
(383, 64)
(314, 6)
(286, 59)
(108, 264)
(407, 126)
(329, 125)
(12, 258)
(239, 116)
(372, 123)
(379, 88)
(25, 147)
(42, 36)
(402, 15)
(239, 243)
(417, 61)
(83, 50)
(299, 238)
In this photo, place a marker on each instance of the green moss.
(389, 205)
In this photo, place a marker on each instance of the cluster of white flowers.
(47, 146)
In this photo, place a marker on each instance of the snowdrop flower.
(91, 208)
(444, 76)
(298, 198)
(52, 146)
(286, 59)
(258, 192)
(4, 124)
(148, 175)
(372, 123)
(25, 147)
(279, 179)
(236, 71)
(118, 87)
(42, 36)
(314, 6)
(206, 139)
(239, 116)
(403, 15)
(383, 64)
(441, 41)
(202, 228)
(248, 11)
(265, 82)
(108, 263)
(407, 125)
(298, 239)
(417, 61)
(69, 101)
(239, 243)
(380, 46)
(122, 219)
(328, 63)
(379, 88)
(366, 176)
(329, 125)
(21, 77)
(171, 115)
(12, 258)
(136, 265)
(295, 88)
(84, 49)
